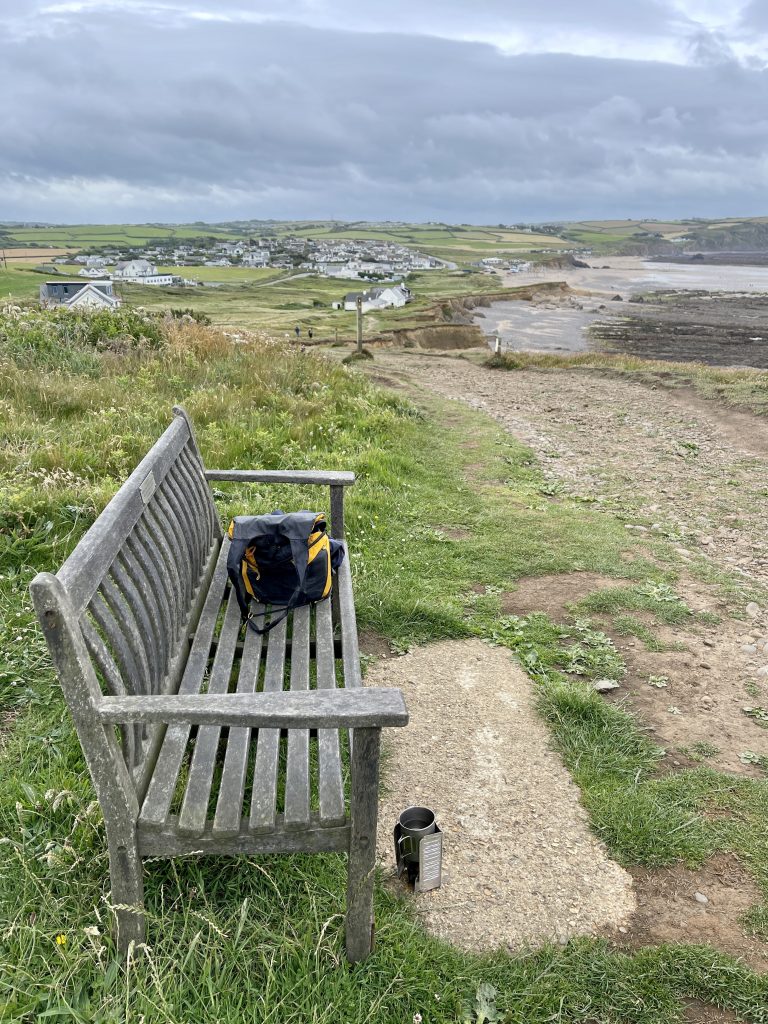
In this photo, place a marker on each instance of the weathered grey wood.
(350, 650)
(111, 779)
(281, 476)
(364, 800)
(264, 793)
(197, 474)
(192, 451)
(161, 786)
(330, 784)
(337, 512)
(176, 667)
(194, 808)
(176, 598)
(122, 653)
(85, 567)
(171, 525)
(137, 550)
(191, 487)
(127, 885)
(143, 536)
(104, 663)
(136, 606)
(119, 608)
(229, 806)
(297, 765)
(318, 709)
(132, 581)
(170, 843)
(188, 519)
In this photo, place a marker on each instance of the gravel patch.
(521, 865)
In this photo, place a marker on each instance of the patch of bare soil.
(553, 594)
(521, 864)
(697, 907)
(455, 532)
(696, 1012)
(699, 692)
(374, 645)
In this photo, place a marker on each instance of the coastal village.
(162, 265)
(344, 258)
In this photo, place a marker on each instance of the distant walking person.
(309, 334)
(297, 329)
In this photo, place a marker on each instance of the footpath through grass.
(443, 502)
(739, 387)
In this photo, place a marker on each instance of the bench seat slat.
(170, 843)
(329, 755)
(264, 795)
(350, 649)
(194, 808)
(297, 769)
(229, 806)
(157, 801)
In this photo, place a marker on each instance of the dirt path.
(678, 463)
(520, 862)
(670, 465)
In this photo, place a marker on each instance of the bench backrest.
(132, 586)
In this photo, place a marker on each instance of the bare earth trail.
(672, 466)
(675, 460)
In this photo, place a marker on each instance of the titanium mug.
(415, 823)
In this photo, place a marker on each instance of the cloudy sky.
(489, 111)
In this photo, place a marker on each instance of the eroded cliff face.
(451, 327)
(440, 336)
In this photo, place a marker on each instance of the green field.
(278, 306)
(87, 236)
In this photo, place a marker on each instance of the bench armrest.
(282, 476)
(312, 709)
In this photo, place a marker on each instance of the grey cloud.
(163, 117)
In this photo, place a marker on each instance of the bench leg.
(364, 806)
(127, 892)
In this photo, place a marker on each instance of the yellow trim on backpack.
(321, 544)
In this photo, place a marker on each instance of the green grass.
(278, 305)
(84, 236)
(260, 939)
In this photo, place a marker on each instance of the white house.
(256, 258)
(379, 298)
(141, 272)
(78, 294)
(126, 270)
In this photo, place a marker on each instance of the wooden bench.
(183, 714)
